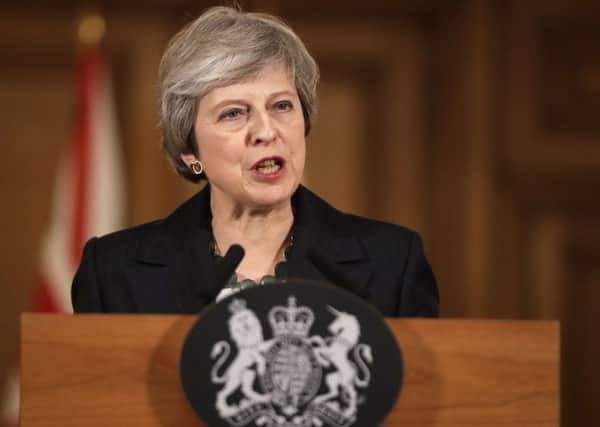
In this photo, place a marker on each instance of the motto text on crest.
(292, 379)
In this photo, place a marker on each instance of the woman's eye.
(232, 114)
(283, 106)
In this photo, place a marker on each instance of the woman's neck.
(262, 232)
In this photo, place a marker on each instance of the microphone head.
(224, 268)
(234, 255)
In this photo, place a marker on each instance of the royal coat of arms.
(294, 378)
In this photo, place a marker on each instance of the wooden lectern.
(122, 370)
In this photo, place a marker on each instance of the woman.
(237, 98)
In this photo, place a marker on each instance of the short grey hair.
(221, 47)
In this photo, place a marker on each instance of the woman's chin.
(272, 195)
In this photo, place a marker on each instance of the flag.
(88, 197)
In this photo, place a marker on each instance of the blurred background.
(474, 122)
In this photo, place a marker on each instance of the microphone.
(335, 275)
(224, 268)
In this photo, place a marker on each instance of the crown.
(291, 320)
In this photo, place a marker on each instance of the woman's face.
(250, 138)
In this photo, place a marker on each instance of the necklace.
(281, 270)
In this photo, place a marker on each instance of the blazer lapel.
(319, 227)
(176, 258)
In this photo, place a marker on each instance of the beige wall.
(475, 122)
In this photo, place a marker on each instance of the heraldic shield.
(291, 354)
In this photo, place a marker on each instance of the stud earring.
(197, 167)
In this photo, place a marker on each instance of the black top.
(166, 266)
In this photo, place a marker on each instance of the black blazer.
(165, 266)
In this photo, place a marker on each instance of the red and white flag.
(88, 197)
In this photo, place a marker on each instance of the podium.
(122, 370)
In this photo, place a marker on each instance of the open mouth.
(269, 166)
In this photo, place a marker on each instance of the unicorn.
(336, 351)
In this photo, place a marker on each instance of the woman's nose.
(262, 129)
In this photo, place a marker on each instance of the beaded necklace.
(281, 269)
